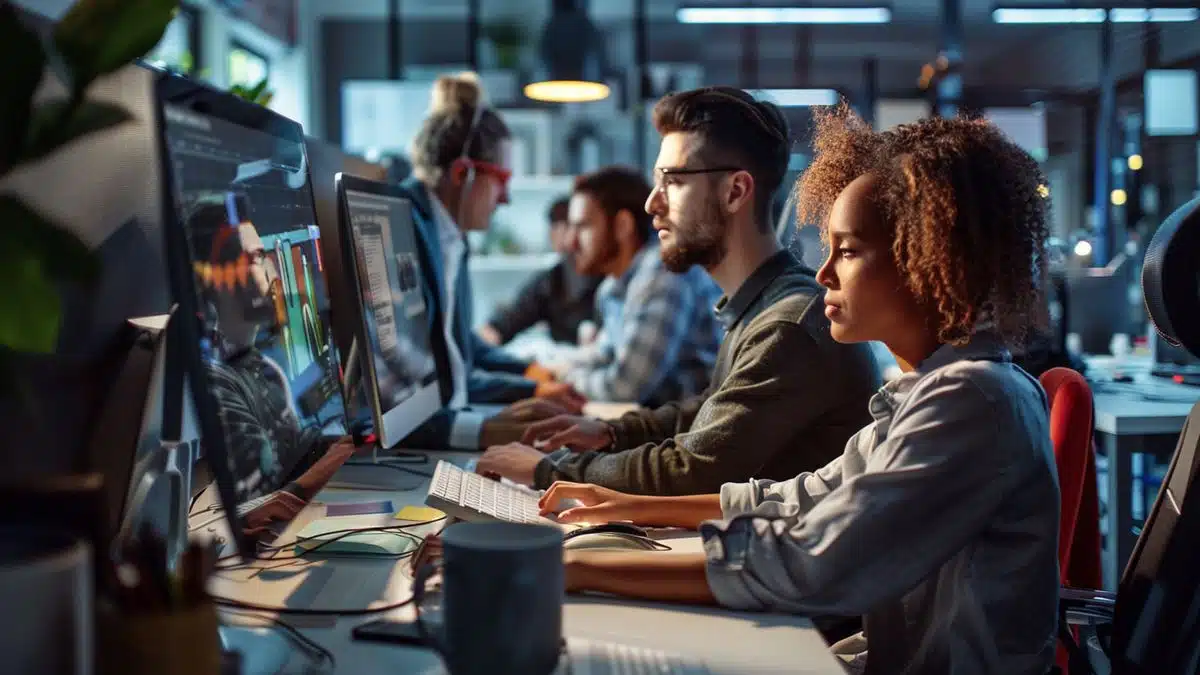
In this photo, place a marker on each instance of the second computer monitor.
(381, 245)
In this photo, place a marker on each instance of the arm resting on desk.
(671, 577)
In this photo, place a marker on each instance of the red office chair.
(1079, 525)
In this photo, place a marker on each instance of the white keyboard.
(592, 657)
(469, 496)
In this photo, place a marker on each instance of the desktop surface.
(246, 210)
(724, 641)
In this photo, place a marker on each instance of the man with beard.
(784, 397)
(659, 341)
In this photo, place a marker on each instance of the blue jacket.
(493, 376)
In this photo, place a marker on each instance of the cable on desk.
(305, 643)
(327, 539)
(304, 611)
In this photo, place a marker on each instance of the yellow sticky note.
(419, 514)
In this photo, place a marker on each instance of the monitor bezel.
(392, 425)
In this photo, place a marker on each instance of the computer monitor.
(325, 161)
(1098, 305)
(247, 274)
(380, 241)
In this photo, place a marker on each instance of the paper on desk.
(419, 514)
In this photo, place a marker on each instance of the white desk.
(730, 642)
(1126, 414)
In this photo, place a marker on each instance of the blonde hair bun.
(454, 92)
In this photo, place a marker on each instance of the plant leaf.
(50, 130)
(30, 310)
(97, 37)
(24, 64)
(59, 254)
(257, 90)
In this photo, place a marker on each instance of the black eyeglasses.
(663, 172)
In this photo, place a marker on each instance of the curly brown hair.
(967, 209)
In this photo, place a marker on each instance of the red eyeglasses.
(498, 172)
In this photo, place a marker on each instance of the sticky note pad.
(419, 514)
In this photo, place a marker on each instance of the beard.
(700, 242)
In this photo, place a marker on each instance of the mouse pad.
(336, 536)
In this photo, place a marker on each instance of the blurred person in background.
(560, 296)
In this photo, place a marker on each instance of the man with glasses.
(784, 397)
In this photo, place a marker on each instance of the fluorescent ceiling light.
(1047, 15)
(783, 15)
(796, 98)
(1153, 14)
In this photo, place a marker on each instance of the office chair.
(1152, 623)
(1079, 525)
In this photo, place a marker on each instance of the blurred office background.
(1104, 95)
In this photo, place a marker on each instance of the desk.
(730, 642)
(1141, 417)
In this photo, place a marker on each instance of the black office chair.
(1152, 623)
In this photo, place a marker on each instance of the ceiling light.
(1048, 15)
(827, 15)
(1153, 14)
(572, 51)
(1135, 162)
(1083, 248)
(789, 98)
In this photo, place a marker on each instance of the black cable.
(395, 466)
(358, 611)
(400, 530)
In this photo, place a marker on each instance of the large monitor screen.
(400, 363)
(1171, 103)
(246, 209)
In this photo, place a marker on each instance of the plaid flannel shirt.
(660, 337)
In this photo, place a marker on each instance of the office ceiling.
(1003, 57)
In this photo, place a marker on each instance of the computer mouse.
(610, 541)
(614, 528)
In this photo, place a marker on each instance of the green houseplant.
(94, 38)
(258, 93)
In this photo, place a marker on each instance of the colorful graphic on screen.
(246, 207)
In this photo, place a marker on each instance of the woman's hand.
(598, 504)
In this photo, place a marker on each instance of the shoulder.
(996, 395)
(793, 297)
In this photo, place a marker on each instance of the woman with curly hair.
(939, 523)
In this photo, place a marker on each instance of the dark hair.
(966, 206)
(447, 129)
(736, 129)
(618, 189)
(557, 212)
(209, 229)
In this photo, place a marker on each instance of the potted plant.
(94, 38)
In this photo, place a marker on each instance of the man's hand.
(429, 552)
(513, 461)
(563, 394)
(598, 504)
(532, 410)
(539, 373)
(571, 431)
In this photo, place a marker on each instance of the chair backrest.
(1071, 432)
(1156, 624)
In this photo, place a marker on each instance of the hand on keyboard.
(513, 461)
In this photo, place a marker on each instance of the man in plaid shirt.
(660, 337)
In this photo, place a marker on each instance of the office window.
(246, 66)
